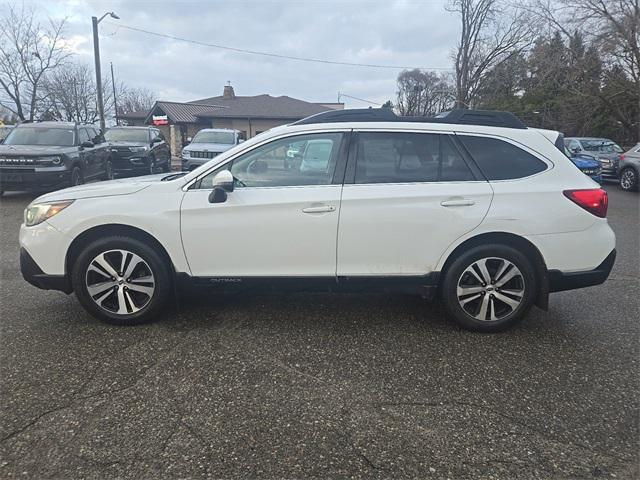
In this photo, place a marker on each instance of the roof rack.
(461, 117)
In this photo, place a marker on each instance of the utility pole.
(115, 99)
(96, 55)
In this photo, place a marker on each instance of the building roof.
(258, 106)
(140, 114)
(180, 112)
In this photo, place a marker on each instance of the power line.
(272, 55)
(340, 95)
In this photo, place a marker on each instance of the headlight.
(185, 153)
(138, 149)
(47, 160)
(39, 212)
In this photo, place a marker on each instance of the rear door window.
(500, 160)
(401, 157)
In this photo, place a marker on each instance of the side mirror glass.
(156, 140)
(223, 180)
(87, 144)
(218, 195)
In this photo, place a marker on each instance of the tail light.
(593, 200)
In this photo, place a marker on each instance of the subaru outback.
(471, 207)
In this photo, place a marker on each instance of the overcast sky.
(417, 33)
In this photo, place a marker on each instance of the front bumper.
(130, 164)
(12, 179)
(560, 281)
(33, 274)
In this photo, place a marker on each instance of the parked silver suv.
(207, 144)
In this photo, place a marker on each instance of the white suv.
(472, 206)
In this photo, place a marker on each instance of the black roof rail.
(461, 117)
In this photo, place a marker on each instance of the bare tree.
(71, 94)
(135, 100)
(423, 93)
(491, 32)
(28, 51)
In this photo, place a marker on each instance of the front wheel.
(76, 176)
(489, 288)
(108, 170)
(629, 179)
(121, 280)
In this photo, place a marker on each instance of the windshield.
(4, 131)
(126, 135)
(61, 137)
(227, 138)
(603, 146)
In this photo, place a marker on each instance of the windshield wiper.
(173, 176)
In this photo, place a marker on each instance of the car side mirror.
(87, 144)
(156, 140)
(575, 150)
(218, 195)
(224, 180)
(241, 140)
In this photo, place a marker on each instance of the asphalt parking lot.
(319, 385)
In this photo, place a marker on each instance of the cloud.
(411, 33)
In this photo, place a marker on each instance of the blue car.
(587, 165)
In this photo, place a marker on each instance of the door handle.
(319, 209)
(458, 202)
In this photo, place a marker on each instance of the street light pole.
(96, 55)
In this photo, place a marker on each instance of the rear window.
(500, 160)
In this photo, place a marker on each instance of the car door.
(161, 149)
(101, 149)
(87, 154)
(406, 198)
(277, 222)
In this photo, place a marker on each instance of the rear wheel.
(121, 280)
(489, 288)
(629, 179)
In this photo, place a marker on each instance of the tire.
(629, 179)
(76, 177)
(506, 299)
(108, 174)
(135, 296)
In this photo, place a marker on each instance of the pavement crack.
(78, 400)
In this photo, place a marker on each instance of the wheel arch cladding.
(113, 229)
(514, 241)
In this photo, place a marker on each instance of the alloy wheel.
(120, 282)
(490, 289)
(627, 179)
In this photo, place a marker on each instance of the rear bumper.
(33, 179)
(560, 281)
(33, 274)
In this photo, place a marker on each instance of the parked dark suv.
(51, 155)
(136, 150)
